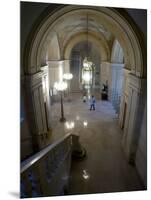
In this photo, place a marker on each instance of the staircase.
(47, 172)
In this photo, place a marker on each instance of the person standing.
(92, 103)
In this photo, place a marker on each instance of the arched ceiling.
(79, 24)
(99, 42)
(71, 20)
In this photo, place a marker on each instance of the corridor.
(104, 169)
(69, 49)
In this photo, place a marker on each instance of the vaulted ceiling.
(78, 22)
(80, 26)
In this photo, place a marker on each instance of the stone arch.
(100, 43)
(117, 54)
(110, 19)
(50, 50)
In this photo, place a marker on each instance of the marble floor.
(104, 169)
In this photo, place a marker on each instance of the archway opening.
(78, 53)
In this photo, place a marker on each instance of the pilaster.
(134, 116)
(35, 106)
(117, 81)
(55, 71)
(124, 98)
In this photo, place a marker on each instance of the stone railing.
(46, 173)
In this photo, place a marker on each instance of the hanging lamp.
(87, 64)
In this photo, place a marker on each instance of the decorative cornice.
(136, 83)
(33, 80)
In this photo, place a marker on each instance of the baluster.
(26, 186)
(35, 183)
(41, 169)
(52, 162)
(39, 179)
(48, 172)
(62, 152)
(56, 157)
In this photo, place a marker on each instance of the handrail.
(30, 161)
(47, 172)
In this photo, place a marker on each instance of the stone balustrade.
(47, 172)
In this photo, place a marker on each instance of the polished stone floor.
(104, 168)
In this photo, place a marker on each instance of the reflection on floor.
(105, 168)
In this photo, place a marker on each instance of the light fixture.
(61, 86)
(85, 123)
(70, 125)
(67, 76)
(87, 69)
(86, 76)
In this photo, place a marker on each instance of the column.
(116, 87)
(55, 72)
(124, 98)
(66, 66)
(47, 101)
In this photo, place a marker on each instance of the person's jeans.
(92, 106)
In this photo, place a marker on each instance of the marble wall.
(26, 148)
(134, 138)
(132, 115)
(37, 107)
(141, 154)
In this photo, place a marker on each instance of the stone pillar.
(106, 75)
(124, 98)
(47, 101)
(55, 71)
(75, 70)
(116, 87)
(66, 66)
(35, 105)
(112, 74)
(134, 116)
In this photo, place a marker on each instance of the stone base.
(79, 154)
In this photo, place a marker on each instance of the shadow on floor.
(14, 194)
